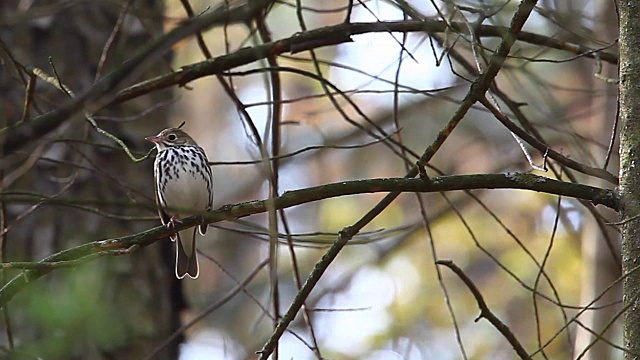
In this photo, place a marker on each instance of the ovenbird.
(183, 187)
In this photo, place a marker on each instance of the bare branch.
(485, 312)
(297, 197)
(333, 35)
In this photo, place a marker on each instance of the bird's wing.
(164, 217)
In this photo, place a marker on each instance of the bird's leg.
(172, 225)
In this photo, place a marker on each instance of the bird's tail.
(186, 257)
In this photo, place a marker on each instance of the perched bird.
(183, 187)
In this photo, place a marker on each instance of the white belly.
(187, 195)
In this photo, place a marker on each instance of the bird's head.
(171, 137)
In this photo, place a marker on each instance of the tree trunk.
(117, 307)
(600, 263)
(630, 170)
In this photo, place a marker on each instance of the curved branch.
(125, 245)
(544, 149)
(22, 134)
(334, 35)
(17, 136)
(485, 312)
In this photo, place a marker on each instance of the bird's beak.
(153, 139)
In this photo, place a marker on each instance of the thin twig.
(28, 98)
(485, 312)
(3, 257)
(112, 37)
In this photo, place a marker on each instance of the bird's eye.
(172, 137)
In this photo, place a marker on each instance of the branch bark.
(124, 245)
(334, 35)
(21, 135)
(629, 168)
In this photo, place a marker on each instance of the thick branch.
(334, 35)
(119, 246)
(21, 134)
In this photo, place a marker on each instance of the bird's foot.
(172, 225)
